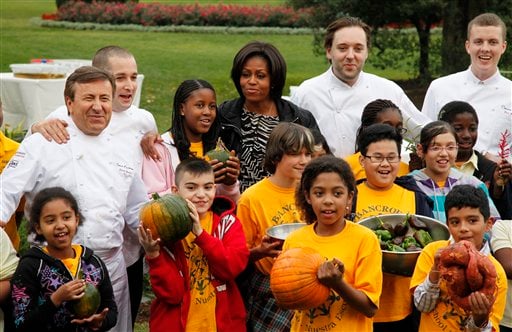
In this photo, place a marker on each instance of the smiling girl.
(194, 131)
(438, 148)
(353, 257)
(49, 278)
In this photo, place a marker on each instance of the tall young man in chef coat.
(481, 85)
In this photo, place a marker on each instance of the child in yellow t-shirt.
(354, 257)
(267, 203)
(383, 193)
(468, 218)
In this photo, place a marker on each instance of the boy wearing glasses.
(381, 192)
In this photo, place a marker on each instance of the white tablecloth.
(27, 100)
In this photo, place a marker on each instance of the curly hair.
(324, 164)
(45, 196)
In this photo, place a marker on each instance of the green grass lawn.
(164, 58)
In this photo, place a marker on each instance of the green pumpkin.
(88, 304)
(220, 153)
(167, 217)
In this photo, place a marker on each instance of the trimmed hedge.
(157, 14)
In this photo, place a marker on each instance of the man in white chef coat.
(106, 184)
(128, 125)
(337, 97)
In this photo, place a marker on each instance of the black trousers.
(135, 285)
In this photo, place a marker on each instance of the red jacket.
(227, 256)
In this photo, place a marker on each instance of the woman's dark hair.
(275, 61)
(286, 138)
(449, 111)
(48, 195)
(371, 112)
(177, 129)
(323, 164)
(433, 129)
(376, 133)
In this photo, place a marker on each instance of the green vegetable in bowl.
(383, 234)
(423, 237)
(395, 248)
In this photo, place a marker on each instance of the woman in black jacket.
(259, 75)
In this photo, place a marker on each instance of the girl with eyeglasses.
(438, 148)
(377, 111)
(383, 193)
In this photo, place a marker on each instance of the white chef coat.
(107, 187)
(337, 106)
(126, 127)
(491, 99)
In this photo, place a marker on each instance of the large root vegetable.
(465, 271)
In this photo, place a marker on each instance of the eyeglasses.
(377, 159)
(438, 148)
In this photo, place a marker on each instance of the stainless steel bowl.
(279, 233)
(403, 263)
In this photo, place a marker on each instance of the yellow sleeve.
(498, 307)
(368, 276)
(244, 214)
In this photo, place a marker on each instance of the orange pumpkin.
(167, 218)
(294, 282)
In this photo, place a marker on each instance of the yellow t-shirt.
(395, 301)
(196, 148)
(358, 248)
(201, 313)
(447, 316)
(262, 206)
(359, 172)
(73, 263)
(8, 148)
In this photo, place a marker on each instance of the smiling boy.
(215, 250)
(468, 218)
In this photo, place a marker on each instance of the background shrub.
(157, 14)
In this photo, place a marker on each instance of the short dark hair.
(488, 19)
(376, 133)
(466, 195)
(87, 74)
(102, 57)
(319, 139)
(433, 129)
(48, 195)
(323, 164)
(286, 138)
(275, 61)
(345, 22)
(177, 129)
(370, 113)
(194, 166)
(449, 111)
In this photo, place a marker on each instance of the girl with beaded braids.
(194, 131)
(377, 111)
(464, 120)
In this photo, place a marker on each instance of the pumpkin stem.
(155, 196)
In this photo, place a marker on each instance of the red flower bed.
(157, 14)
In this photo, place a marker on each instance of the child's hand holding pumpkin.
(151, 246)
